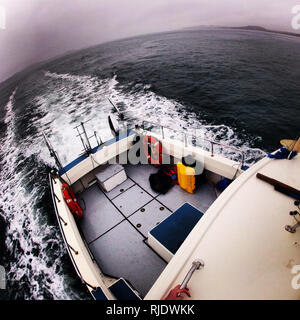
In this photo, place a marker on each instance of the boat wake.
(86, 97)
(144, 104)
(35, 250)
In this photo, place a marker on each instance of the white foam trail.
(147, 105)
(90, 102)
(75, 100)
(27, 228)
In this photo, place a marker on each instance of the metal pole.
(52, 152)
(99, 143)
(121, 115)
(289, 156)
(243, 159)
(86, 137)
(162, 132)
(194, 139)
(212, 149)
(185, 140)
(82, 141)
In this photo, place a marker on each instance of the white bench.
(168, 236)
(111, 177)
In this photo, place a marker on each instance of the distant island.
(250, 28)
(254, 28)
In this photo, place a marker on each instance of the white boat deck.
(116, 224)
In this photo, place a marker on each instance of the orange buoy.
(153, 150)
(71, 200)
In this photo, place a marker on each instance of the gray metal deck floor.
(120, 189)
(116, 224)
(140, 174)
(149, 217)
(202, 199)
(99, 214)
(131, 200)
(122, 253)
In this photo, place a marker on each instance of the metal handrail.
(185, 134)
(196, 265)
(162, 132)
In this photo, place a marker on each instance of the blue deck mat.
(172, 232)
(98, 294)
(121, 291)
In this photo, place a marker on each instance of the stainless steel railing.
(187, 134)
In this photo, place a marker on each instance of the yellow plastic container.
(186, 177)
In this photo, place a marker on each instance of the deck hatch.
(120, 189)
(131, 200)
(149, 217)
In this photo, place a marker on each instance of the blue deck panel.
(122, 291)
(172, 232)
(98, 294)
(94, 150)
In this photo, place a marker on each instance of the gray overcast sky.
(40, 29)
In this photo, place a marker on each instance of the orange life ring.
(153, 150)
(71, 200)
